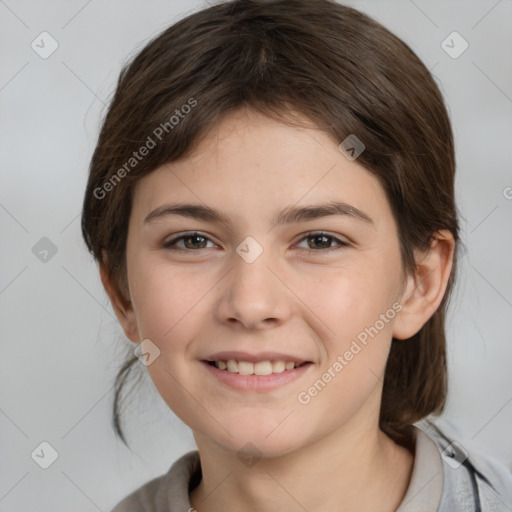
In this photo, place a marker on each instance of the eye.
(322, 240)
(195, 240)
(191, 240)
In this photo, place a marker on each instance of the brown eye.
(319, 240)
(191, 241)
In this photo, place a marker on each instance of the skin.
(329, 454)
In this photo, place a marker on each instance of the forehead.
(252, 164)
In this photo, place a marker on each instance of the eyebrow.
(289, 215)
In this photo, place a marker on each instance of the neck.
(363, 471)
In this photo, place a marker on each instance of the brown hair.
(343, 71)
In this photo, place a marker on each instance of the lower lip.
(258, 383)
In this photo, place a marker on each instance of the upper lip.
(255, 358)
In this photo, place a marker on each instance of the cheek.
(350, 300)
(167, 304)
(162, 296)
(356, 305)
(358, 312)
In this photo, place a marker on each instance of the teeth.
(278, 366)
(232, 366)
(263, 368)
(260, 368)
(245, 368)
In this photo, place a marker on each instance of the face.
(265, 286)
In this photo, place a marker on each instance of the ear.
(122, 306)
(425, 289)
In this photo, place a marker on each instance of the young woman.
(271, 204)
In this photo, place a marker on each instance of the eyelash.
(170, 243)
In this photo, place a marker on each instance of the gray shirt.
(446, 477)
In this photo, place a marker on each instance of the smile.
(259, 368)
(257, 377)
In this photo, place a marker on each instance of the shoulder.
(139, 499)
(167, 492)
(470, 477)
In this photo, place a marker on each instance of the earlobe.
(425, 289)
(122, 306)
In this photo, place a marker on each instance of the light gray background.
(61, 345)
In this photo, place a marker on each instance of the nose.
(253, 294)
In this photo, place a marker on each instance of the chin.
(249, 443)
(267, 434)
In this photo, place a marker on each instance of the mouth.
(260, 376)
(267, 367)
